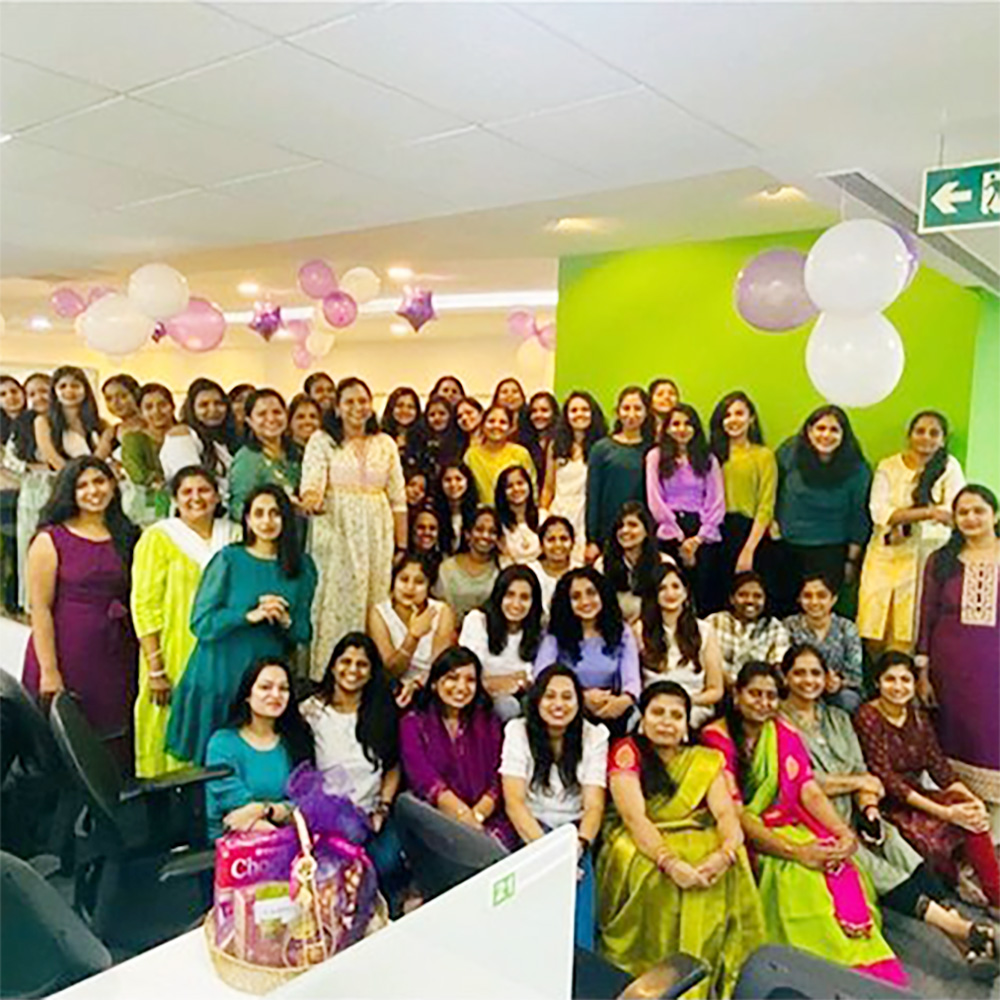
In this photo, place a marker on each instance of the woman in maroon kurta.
(947, 825)
(959, 643)
(78, 578)
(450, 746)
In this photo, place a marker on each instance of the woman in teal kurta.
(254, 600)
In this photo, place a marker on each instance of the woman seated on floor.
(553, 769)
(673, 874)
(902, 879)
(815, 898)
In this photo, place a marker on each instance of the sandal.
(981, 956)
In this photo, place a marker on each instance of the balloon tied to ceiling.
(856, 269)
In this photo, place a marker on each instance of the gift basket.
(288, 899)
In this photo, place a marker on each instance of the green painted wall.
(983, 460)
(627, 317)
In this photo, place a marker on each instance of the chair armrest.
(187, 863)
(173, 780)
(670, 978)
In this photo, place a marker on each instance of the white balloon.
(113, 325)
(158, 290)
(854, 360)
(361, 283)
(319, 343)
(535, 364)
(857, 267)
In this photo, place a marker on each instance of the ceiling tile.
(29, 95)
(303, 103)
(137, 135)
(51, 173)
(288, 18)
(122, 45)
(631, 138)
(483, 61)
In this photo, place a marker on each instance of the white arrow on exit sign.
(948, 196)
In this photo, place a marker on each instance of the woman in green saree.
(673, 874)
(903, 880)
(814, 897)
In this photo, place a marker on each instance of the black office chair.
(37, 799)
(776, 972)
(443, 853)
(141, 846)
(44, 945)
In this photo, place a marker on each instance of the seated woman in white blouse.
(505, 634)
(557, 539)
(411, 628)
(354, 724)
(553, 767)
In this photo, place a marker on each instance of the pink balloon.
(521, 323)
(301, 358)
(199, 328)
(547, 336)
(340, 309)
(299, 329)
(98, 292)
(67, 303)
(316, 279)
(770, 292)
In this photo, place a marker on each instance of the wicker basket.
(259, 979)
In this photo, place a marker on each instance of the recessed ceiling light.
(577, 224)
(40, 323)
(6, 137)
(400, 273)
(248, 288)
(781, 192)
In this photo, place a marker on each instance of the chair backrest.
(442, 852)
(89, 761)
(26, 734)
(44, 945)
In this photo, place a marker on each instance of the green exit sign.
(961, 197)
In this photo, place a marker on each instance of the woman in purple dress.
(958, 648)
(450, 746)
(78, 580)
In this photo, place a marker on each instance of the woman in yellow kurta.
(496, 452)
(166, 570)
(673, 874)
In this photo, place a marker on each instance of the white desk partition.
(13, 641)
(506, 933)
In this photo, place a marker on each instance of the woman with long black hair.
(537, 429)
(552, 768)
(354, 721)
(78, 576)
(12, 405)
(822, 505)
(401, 420)
(442, 440)
(205, 436)
(254, 600)
(456, 498)
(73, 427)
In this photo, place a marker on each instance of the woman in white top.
(564, 491)
(72, 428)
(557, 537)
(911, 497)
(353, 720)
(518, 515)
(505, 634)
(205, 436)
(677, 646)
(411, 628)
(553, 767)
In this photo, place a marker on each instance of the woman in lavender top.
(587, 634)
(687, 498)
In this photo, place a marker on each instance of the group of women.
(483, 597)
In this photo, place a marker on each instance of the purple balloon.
(299, 329)
(521, 324)
(417, 307)
(98, 292)
(340, 309)
(316, 279)
(301, 357)
(266, 319)
(770, 291)
(67, 303)
(547, 336)
(912, 251)
(199, 328)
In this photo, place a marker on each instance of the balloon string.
(944, 126)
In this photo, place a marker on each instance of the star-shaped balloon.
(266, 319)
(417, 307)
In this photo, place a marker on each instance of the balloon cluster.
(339, 301)
(856, 269)
(157, 305)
